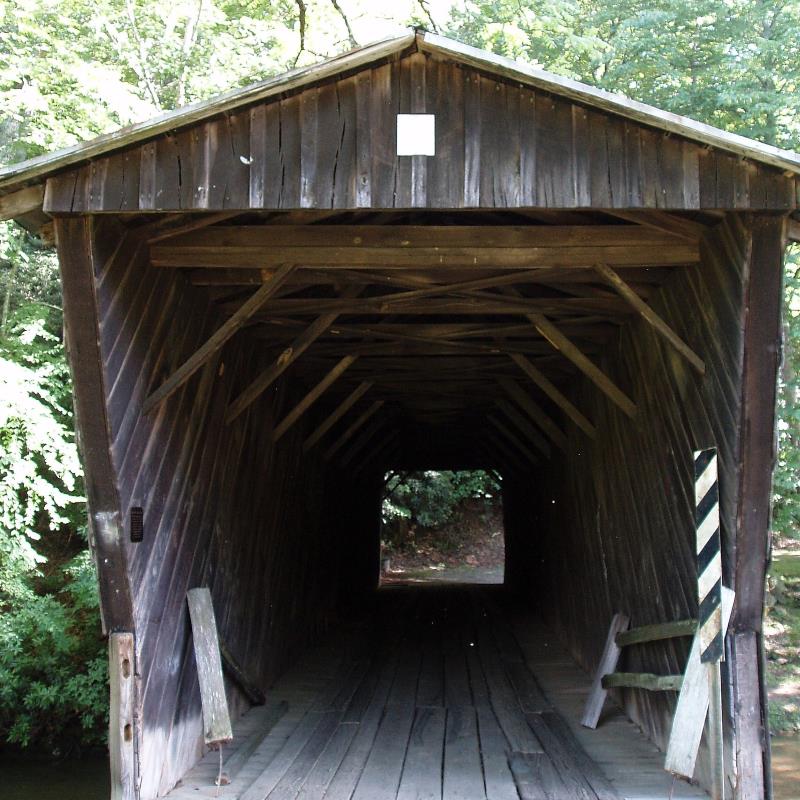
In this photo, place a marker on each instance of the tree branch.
(423, 4)
(142, 55)
(351, 38)
(301, 9)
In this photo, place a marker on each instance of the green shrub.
(52, 658)
(430, 499)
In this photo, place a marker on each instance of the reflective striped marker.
(709, 559)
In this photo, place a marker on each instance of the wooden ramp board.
(444, 695)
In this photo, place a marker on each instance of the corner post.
(762, 284)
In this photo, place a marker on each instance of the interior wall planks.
(614, 519)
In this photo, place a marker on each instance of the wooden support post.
(522, 424)
(715, 737)
(337, 414)
(587, 367)
(534, 411)
(312, 397)
(217, 339)
(650, 316)
(608, 663)
(121, 733)
(286, 358)
(216, 718)
(554, 394)
(332, 450)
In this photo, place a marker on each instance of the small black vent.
(137, 524)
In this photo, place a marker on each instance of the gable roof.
(35, 170)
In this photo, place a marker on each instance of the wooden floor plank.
(418, 701)
(594, 776)
(321, 775)
(495, 752)
(267, 719)
(430, 687)
(381, 776)
(529, 694)
(536, 778)
(347, 776)
(285, 757)
(568, 770)
(463, 776)
(422, 771)
(294, 778)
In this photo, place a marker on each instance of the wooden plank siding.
(223, 508)
(611, 526)
(499, 144)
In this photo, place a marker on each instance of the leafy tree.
(52, 659)
(432, 498)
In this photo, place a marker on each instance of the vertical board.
(216, 719)
(121, 716)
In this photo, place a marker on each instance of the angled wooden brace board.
(690, 713)
(216, 718)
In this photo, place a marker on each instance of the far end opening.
(442, 526)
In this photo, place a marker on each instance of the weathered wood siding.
(222, 507)
(612, 528)
(498, 145)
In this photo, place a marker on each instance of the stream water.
(33, 779)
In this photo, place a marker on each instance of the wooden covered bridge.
(417, 255)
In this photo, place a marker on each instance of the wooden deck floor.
(440, 695)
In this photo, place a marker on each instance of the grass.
(782, 639)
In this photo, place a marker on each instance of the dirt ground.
(471, 549)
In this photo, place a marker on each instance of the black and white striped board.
(709, 559)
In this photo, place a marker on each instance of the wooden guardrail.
(620, 636)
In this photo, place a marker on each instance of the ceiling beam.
(217, 339)
(312, 397)
(337, 414)
(663, 221)
(284, 360)
(650, 316)
(514, 441)
(351, 429)
(415, 237)
(525, 427)
(534, 411)
(500, 258)
(555, 394)
(587, 367)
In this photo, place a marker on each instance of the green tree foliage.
(431, 498)
(52, 664)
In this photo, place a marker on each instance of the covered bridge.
(273, 298)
